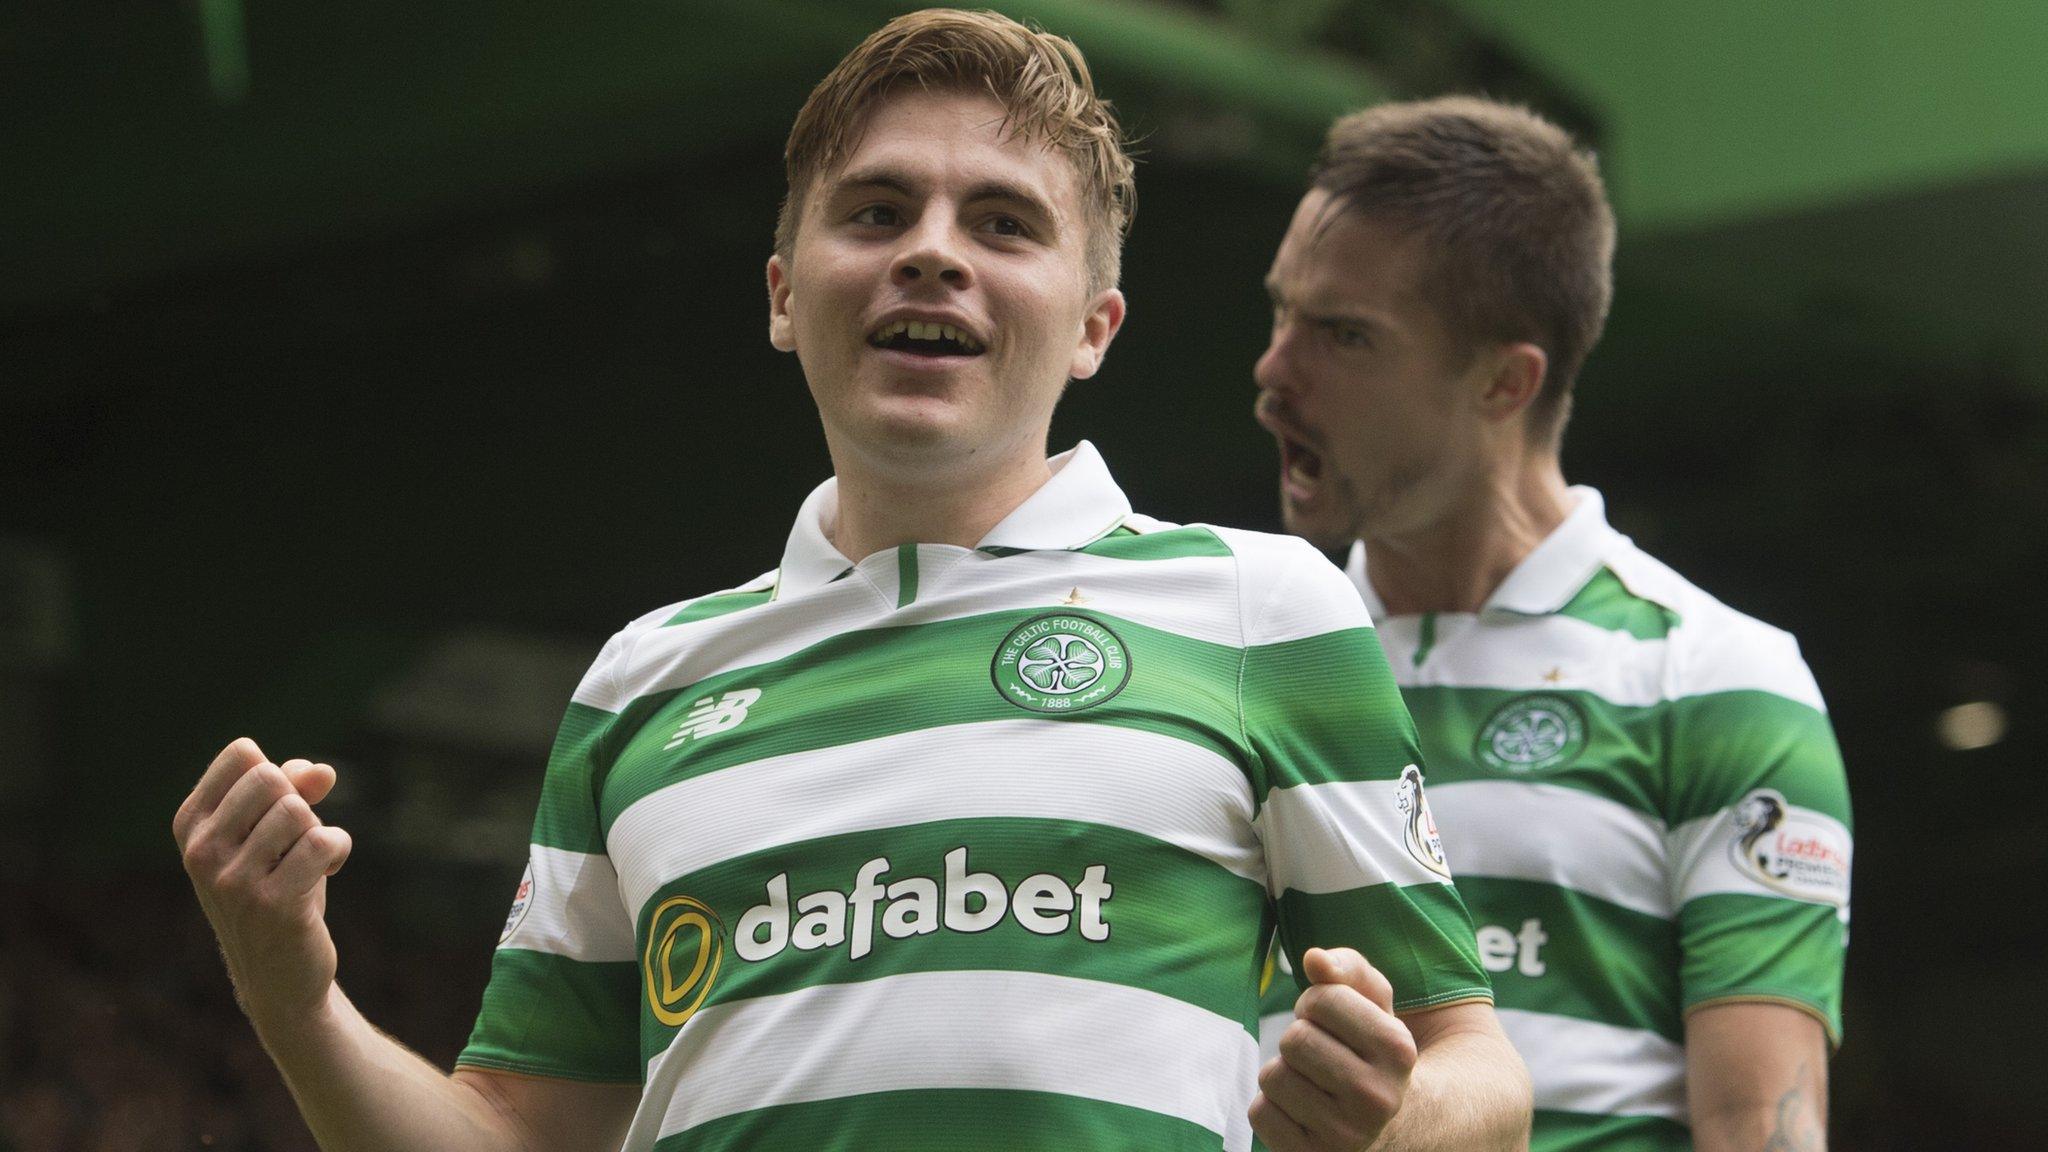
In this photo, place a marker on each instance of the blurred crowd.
(119, 1031)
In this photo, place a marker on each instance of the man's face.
(1361, 383)
(937, 294)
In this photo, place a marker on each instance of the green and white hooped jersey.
(970, 848)
(1647, 811)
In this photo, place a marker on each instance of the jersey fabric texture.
(1647, 811)
(970, 848)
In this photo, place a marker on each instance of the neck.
(882, 507)
(1454, 562)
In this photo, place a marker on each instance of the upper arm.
(555, 1114)
(1349, 844)
(1755, 1071)
(1760, 838)
(564, 995)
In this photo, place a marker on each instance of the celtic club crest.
(1060, 663)
(1532, 734)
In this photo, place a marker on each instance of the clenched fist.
(259, 859)
(1344, 1063)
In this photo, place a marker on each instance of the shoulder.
(601, 685)
(1287, 590)
(1713, 648)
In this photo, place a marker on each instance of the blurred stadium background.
(363, 366)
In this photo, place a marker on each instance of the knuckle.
(202, 853)
(297, 811)
(1297, 1038)
(1401, 1050)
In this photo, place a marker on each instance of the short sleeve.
(563, 998)
(1351, 849)
(1760, 845)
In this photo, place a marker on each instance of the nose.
(1274, 371)
(932, 254)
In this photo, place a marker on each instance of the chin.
(1329, 533)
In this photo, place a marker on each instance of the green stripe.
(906, 575)
(1674, 761)
(1427, 639)
(1418, 936)
(1729, 743)
(1179, 925)
(1737, 944)
(945, 1120)
(1606, 602)
(567, 817)
(1601, 962)
(1325, 709)
(548, 1015)
(1173, 544)
(1583, 1132)
(869, 684)
(704, 608)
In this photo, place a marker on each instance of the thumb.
(1347, 966)
(313, 781)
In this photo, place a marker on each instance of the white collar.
(1547, 578)
(1078, 505)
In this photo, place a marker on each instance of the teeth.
(922, 330)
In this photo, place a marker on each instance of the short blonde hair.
(1041, 80)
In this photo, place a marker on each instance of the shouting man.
(1637, 784)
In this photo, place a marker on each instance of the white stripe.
(1335, 837)
(1529, 654)
(1725, 651)
(575, 909)
(1165, 788)
(1271, 1027)
(1555, 835)
(1722, 651)
(1703, 851)
(1717, 649)
(1024, 1031)
(1582, 1066)
(1291, 591)
(1194, 596)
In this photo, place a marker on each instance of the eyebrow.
(999, 191)
(1362, 319)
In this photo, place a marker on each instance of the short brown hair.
(1040, 79)
(1519, 235)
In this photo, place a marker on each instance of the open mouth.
(920, 338)
(1301, 468)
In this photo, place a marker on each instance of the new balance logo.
(707, 718)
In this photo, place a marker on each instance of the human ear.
(781, 326)
(1514, 379)
(1099, 326)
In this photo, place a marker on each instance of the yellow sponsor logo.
(687, 925)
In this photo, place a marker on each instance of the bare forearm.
(1469, 1093)
(362, 1091)
(1757, 1079)
(1794, 1121)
